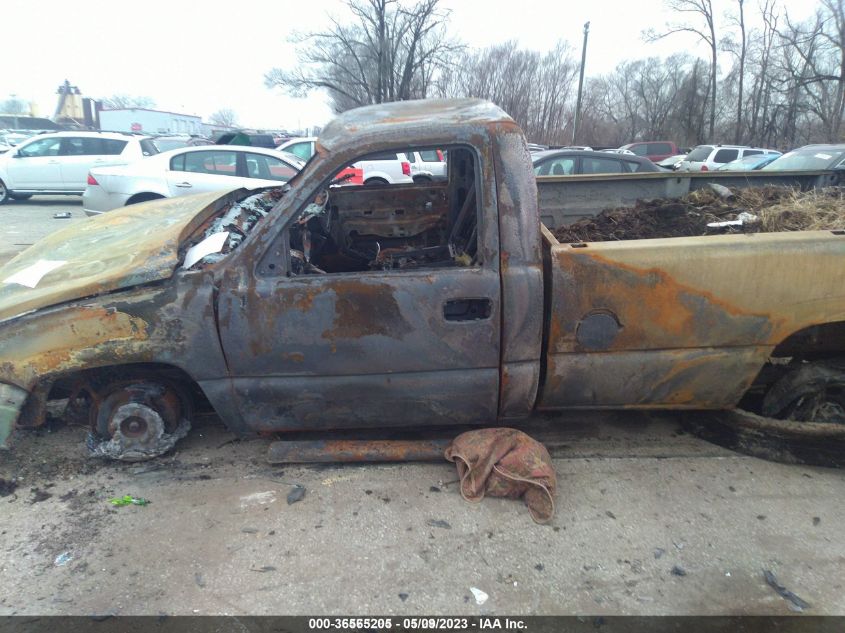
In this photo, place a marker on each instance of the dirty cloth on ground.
(504, 462)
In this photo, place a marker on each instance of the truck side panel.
(681, 322)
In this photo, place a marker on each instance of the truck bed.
(679, 322)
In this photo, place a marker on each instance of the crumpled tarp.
(504, 462)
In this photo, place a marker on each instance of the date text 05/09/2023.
(419, 624)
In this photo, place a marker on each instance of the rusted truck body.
(409, 305)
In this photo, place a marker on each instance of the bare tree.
(388, 52)
(225, 117)
(13, 105)
(814, 59)
(740, 50)
(648, 99)
(534, 88)
(123, 101)
(698, 10)
(762, 86)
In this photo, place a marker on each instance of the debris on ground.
(7, 486)
(129, 500)
(64, 215)
(658, 552)
(39, 495)
(439, 523)
(480, 596)
(776, 209)
(403, 596)
(297, 493)
(504, 462)
(264, 569)
(677, 570)
(63, 559)
(796, 603)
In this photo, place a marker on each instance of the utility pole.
(580, 84)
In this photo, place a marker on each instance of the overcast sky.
(198, 57)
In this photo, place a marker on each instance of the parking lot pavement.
(637, 498)
(27, 221)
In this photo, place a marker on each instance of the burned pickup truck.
(319, 306)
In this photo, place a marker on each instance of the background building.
(149, 121)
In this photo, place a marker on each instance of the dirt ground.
(772, 209)
(637, 498)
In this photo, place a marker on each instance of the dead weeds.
(777, 209)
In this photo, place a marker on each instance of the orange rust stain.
(64, 341)
(505, 259)
(304, 299)
(653, 308)
(296, 357)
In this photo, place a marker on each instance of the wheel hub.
(139, 425)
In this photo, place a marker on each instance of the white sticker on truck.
(31, 275)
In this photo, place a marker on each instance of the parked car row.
(106, 167)
(185, 171)
(385, 168)
(13, 138)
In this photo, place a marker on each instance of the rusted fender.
(345, 451)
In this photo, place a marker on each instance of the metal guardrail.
(565, 199)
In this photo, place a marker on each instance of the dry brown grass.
(778, 209)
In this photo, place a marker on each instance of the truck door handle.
(467, 309)
(184, 185)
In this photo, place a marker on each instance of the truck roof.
(436, 117)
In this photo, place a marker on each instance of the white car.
(59, 163)
(302, 147)
(386, 168)
(427, 165)
(382, 169)
(710, 157)
(185, 171)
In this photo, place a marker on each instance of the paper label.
(31, 275)
(211, 244)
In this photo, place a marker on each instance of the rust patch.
(655, 311)
(346, 451)
(505, 261)
(296, 357)
(303, 300)
(62, 341)
(363, 309)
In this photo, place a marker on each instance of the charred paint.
(50, 346)
(123, 248)
(366, 309)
